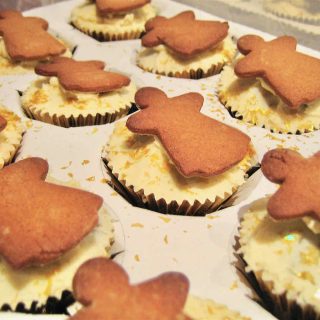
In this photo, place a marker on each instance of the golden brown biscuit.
(103, 288)
(299, 194)
(184, 35)
(3, 123)
(294, 76)
(40, 221)
(198, 145)
(26, 38)
(116, 6)
(83, 76)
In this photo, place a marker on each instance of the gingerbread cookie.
(184, 35)
(115, 6)
(295, 77)
(188, 136)
(83, 76)
(299, 177)
(103, 288)
(26, 38)
(59, 217)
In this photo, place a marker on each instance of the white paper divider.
(152, 243)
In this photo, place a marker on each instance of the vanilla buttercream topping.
(39, 283)
(8, 66)
(284, 254)
(141, 161)
(86, 17)
(10, 136)
(161, 60)
(46, 95)
(258, 105)
(205, 309)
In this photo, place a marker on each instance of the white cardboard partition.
(152, 243)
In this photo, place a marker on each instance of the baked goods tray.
(200, 247)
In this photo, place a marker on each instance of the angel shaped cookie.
(299, 177)
(171, 158)
(103, 288)
(26, 38)
(273, 85)
(40, 221)
(78, 93)
(183, 46)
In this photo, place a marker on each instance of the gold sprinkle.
(158, 77)
(91, 179)
(272, 137)
(29, 124)
(164, 219)
(137, 258)
(209, 226)
(70, 174)
(104, 180)
(94, 130)
(114, 193)
(66, 166)
(212, 217)
(84, 162)
(165, 239)
(234, 285)
(137, 225)
(306, 276)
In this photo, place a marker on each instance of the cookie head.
(117, 6)
(299, 177)
(26, 38)
(198, 145)
(40, 221)
(82, 76)
(294, 76)
(184, 35)
(103, 288)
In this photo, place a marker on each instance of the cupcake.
(113, 20)
(279, 237)
(77, 93)
(69, 226)
(184, 47)
(162, 158)
(11, 131)
(273, 86)
(306, 11)
(164, 297)
(25, 45)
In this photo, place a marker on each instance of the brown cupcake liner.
(77, 121)
(53, 305)
(140, 199)
(278, 305)
(191, 74)
(104, 36)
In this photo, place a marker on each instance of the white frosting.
(161, 60)
(257, 105)
(8, 66)
(10, 136)
(285, 255)
(46, 97)
(201, 309)
(140, 161)
(86, 18)
(38, 283)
